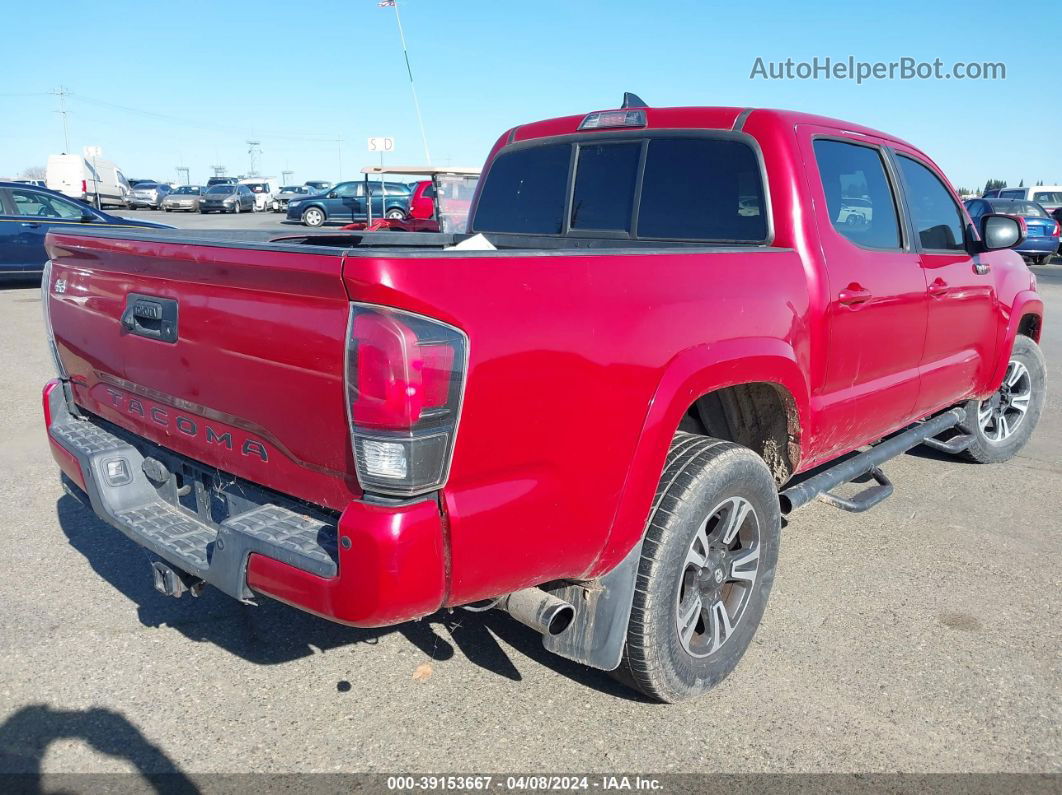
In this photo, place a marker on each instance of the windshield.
(1048, 197)
(146, 185)
(294, 189)
(193, 189)
(221, 190)
(1009, 207)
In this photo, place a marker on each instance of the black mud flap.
(602, 611)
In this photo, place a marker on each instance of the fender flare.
(1027, 302)
(598, 630)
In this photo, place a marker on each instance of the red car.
(447, 195)
(592, 420)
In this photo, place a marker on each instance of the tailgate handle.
(147, 316)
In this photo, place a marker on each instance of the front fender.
(689, 375)
(1026, 302)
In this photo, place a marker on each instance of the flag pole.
(409, 70)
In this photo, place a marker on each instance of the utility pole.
(61, 92)
(409, 71)
(183, 172)
(285, 177)
(339, 149)
(254, 149)
(219, 171)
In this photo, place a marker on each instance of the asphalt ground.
(923, 636)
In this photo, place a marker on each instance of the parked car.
(264, 189)
(345, 203)
(96, 181)
(227, 198)
(1048, 196)
(590, 419)
(148, 194)
(28, 212)
(1042, 235)
(437, 204)
(39, 183)
(285, 194)
(318, 185)
(186, 197)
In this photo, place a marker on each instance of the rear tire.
(395, 214)
(1002, 424)
(707, 566)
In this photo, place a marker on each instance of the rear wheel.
(1002, 424)
(395, 214)
(706, 570)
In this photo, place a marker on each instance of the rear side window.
(936, 216)
(858, 197)
(702, 189)
(604, 186)
(525, 191)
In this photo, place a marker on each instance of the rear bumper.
(1038, 245)
(372, 565)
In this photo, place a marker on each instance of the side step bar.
(868, 462)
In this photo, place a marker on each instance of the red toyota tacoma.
(675, 325)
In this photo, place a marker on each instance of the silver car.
(148, 194)
(186, 197)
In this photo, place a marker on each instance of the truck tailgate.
(252, 383)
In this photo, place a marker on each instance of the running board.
(956, 444)
(866, 462)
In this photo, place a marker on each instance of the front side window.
(525, 191)
(604, 186)
(348, 189)
(937, 219)
(858, 197)
(41, 205)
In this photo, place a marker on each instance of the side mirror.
(332, 195)
(87, 218)
(1001, 231)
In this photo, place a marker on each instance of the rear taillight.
(405, 380)
(84, 187)
(1057, 230)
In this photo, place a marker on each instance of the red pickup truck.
(673, 331)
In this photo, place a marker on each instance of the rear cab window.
(647, 186)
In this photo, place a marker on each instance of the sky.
(164, 84)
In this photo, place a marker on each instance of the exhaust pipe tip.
(542, 611)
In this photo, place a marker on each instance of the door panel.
(965, 317)
(876, 292)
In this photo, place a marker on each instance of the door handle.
(30, 224)
(853, 295)
(938, 288)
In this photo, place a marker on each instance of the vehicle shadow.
(272, 633)
(28, 732)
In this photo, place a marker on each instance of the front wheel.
(1002, 424)
(313, 217)
(706, 569)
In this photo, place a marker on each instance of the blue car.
(28, 212)
(345, 203)
(1041, 238)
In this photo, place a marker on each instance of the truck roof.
(699, 118)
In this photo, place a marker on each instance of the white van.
(97, 181)
(264, 190)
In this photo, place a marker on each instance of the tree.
(1021, 184)
(34, 172)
